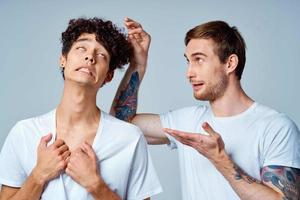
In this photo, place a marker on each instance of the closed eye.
(100, 54)
(81, 48)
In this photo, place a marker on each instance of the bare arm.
(31, 189)
(278, 182)
(50, 162)
(151, 126)
(125, 102)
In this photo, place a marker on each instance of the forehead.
(90, 39)
(204, 46)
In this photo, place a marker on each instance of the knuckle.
(62, 164)
(60, 157)
(56, 152)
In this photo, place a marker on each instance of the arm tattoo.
(126, 104)
(242, 175)
(286, 179)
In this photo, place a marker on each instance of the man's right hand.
(140, 41)
(51, 160)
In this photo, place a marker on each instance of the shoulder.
(274, 123)
(29, 126)
(272, 119)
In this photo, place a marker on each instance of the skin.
(86, 69)
(217, 83)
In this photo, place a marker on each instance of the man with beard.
(234, 148)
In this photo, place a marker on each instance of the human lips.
(85, 70)
(197, 85)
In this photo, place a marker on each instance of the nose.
(90, 58)
(189, 72)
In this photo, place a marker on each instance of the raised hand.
(51, 160)
(140, 41)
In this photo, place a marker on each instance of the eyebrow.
(196, 54)
(83, 40)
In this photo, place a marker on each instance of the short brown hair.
(228, 41)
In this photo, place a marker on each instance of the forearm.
(125, 102)
(100, 191)
(31, 189)
(246, 187)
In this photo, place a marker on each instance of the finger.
(45, 139)
(87, 148)
(208, 129)
(65, 154)
(58, 143)
(183, 140)
(67, 157)
(182, 134)
(135, 31)
(69, 170)
(141, 32)
(62, 149)
(131, 23)
(133, 40)
(138, 33)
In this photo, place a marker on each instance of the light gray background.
(31, 84)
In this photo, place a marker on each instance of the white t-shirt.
(124, 160)
(258, 137)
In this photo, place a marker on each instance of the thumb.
(45, 139)
(208, 129)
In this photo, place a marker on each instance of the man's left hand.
(83, 168)
(211, 146)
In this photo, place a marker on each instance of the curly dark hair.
(107, 34)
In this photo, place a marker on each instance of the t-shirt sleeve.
(167, 121)
(281, 143)
(11, 171)
(143, 181)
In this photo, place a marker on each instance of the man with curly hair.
(77, 151)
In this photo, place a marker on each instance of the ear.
(232, 63)
(62, 61)
(108, 77)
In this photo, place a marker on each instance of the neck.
(233, 102)
(77, 106)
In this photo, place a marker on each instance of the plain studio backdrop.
(31, 83)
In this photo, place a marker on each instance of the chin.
(202, 96)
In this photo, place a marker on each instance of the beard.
(213, 90)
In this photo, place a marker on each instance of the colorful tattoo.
(126, 104)
(242, 175)
(286, 179)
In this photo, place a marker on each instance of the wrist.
(38, 177)
(138, 67)
(94, 187)
(223, 161)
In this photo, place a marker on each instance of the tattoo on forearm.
(242, 175)
(286, 179)
(126, 104)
